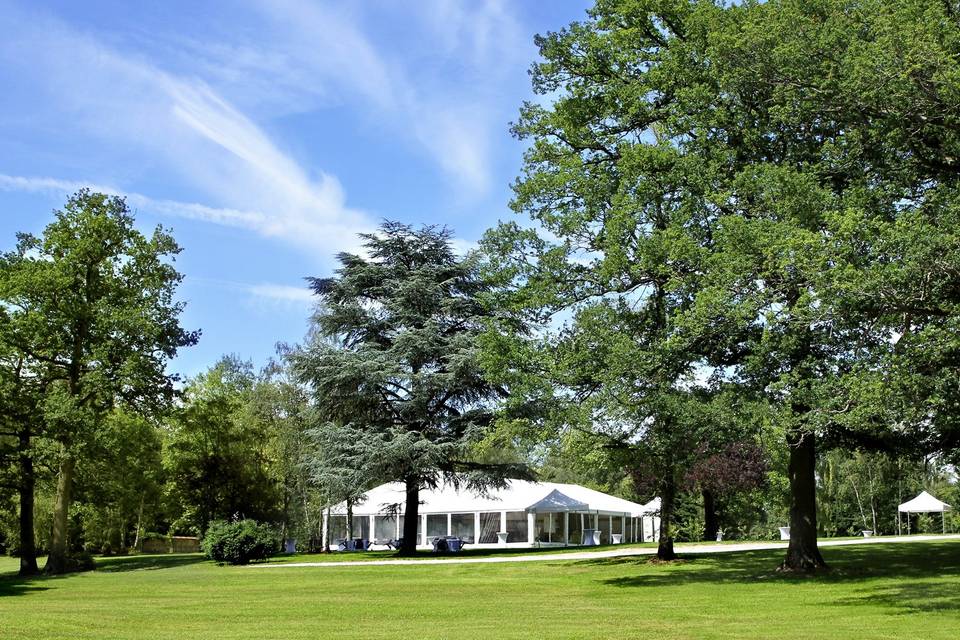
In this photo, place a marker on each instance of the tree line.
(732, 285)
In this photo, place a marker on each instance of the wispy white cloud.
(267, 295)
(437, 86)
(230, 217)
(300, 296)
(185, 124)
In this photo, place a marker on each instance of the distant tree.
(218, 451)
(119, 481)
(282, 406)
(393, 361)
(90, 305)
(738, 467)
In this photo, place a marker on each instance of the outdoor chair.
(353, 544)
(448, 544)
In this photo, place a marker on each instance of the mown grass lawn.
(875, 591)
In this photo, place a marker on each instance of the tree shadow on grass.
(119, 564)
(917, 597)
(930, 572)
(17, 586)
(14, 585)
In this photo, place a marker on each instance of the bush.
(81, 561)
(240, 542)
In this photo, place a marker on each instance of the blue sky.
(266, 134)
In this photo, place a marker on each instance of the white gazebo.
(522, 514)
(923, 503)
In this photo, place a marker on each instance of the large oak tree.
(90, 305)
(769, 190)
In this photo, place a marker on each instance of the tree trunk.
(349, 519)
(665, 546)
(711, 522)
(802, 552)
(856, 493)
(325, 532)
(136, 539)
(28, 483)
(411, 515)
(57, 561)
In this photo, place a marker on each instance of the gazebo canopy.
(924, 503)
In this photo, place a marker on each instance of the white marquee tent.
(923, 503)
(519, 515)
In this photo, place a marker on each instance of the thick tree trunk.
(711, 522)
(665, 546)
(59, 548)
(411, 515)
(802, 552)
(28, 483)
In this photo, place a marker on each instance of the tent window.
(617, 524)
(461, 525)
(436, 525)
(542, 524)
(385, 528)
(489, 525)
(517, 526)
(337, 527)
(361, 527)
(576, 528)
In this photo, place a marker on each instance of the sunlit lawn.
(875, 591)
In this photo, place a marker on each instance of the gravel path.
(607, 553)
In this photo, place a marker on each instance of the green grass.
(874, 591)
(467, 552)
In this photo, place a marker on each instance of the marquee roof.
(924, 503)
(518, 495)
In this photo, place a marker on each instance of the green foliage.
(120, 480)
(240, 542)
(218, 456)
(764, 193)
(282, 406)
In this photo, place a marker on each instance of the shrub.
(240, 542)
(81, 561)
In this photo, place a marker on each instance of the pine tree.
(393, 363)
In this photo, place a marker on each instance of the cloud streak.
(434, 88)
(190, 210)
(185, 124)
